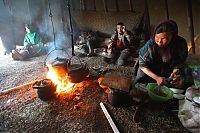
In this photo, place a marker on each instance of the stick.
(112, 124)
(16, 88)
(190, 24)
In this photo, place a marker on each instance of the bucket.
(119, 98)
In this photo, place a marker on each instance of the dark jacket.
(127, 40)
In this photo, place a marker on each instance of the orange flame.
(63, 84)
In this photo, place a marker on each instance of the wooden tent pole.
(29, 13)
(147, 18)
(166, 9)
(117, 5)
(130, 5)
(190, 24)
(95, 8)
(84, 5)
(105, 5)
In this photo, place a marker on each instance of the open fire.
(63, 84)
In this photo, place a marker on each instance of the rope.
(8, 5)
(53, 30)
(55, 47)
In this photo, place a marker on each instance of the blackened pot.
(77, 72)
(59, 65)
(119, 98)
(45, 89)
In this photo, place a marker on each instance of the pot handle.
(45, 60)
(39, 84)
(69, 63)
(35, 86)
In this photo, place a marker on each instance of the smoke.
(37, 13)
(60, 48)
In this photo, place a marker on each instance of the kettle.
(45, 89)
(77, 72)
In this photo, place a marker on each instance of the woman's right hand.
(160, 80)
(147, 71)
(109, 49)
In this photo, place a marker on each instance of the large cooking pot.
(45, 89)
(60, 65)
(58, 59)
(77, 72)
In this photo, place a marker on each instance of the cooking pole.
(71, 29)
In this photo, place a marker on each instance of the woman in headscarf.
(162, 59)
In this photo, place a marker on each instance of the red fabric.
(119, 43)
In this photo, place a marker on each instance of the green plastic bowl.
(158, 98)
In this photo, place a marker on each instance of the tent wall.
(15, 13)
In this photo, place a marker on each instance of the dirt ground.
(78, 111)
(16, 73)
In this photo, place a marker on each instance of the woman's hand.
(177, 80)
(109, 49)
(174, 73)
(160, 80)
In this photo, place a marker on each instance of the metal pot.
(45, 89)
(77, 72)
(60, 66)
(119, 98)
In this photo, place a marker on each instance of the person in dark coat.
(119, 45)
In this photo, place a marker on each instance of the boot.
(19, 56)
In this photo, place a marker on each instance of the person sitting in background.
(162, 59)
(118, 49)
(32, 46)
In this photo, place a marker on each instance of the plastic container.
(158, 98)
(177, 91)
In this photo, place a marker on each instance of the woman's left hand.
(177, 81)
